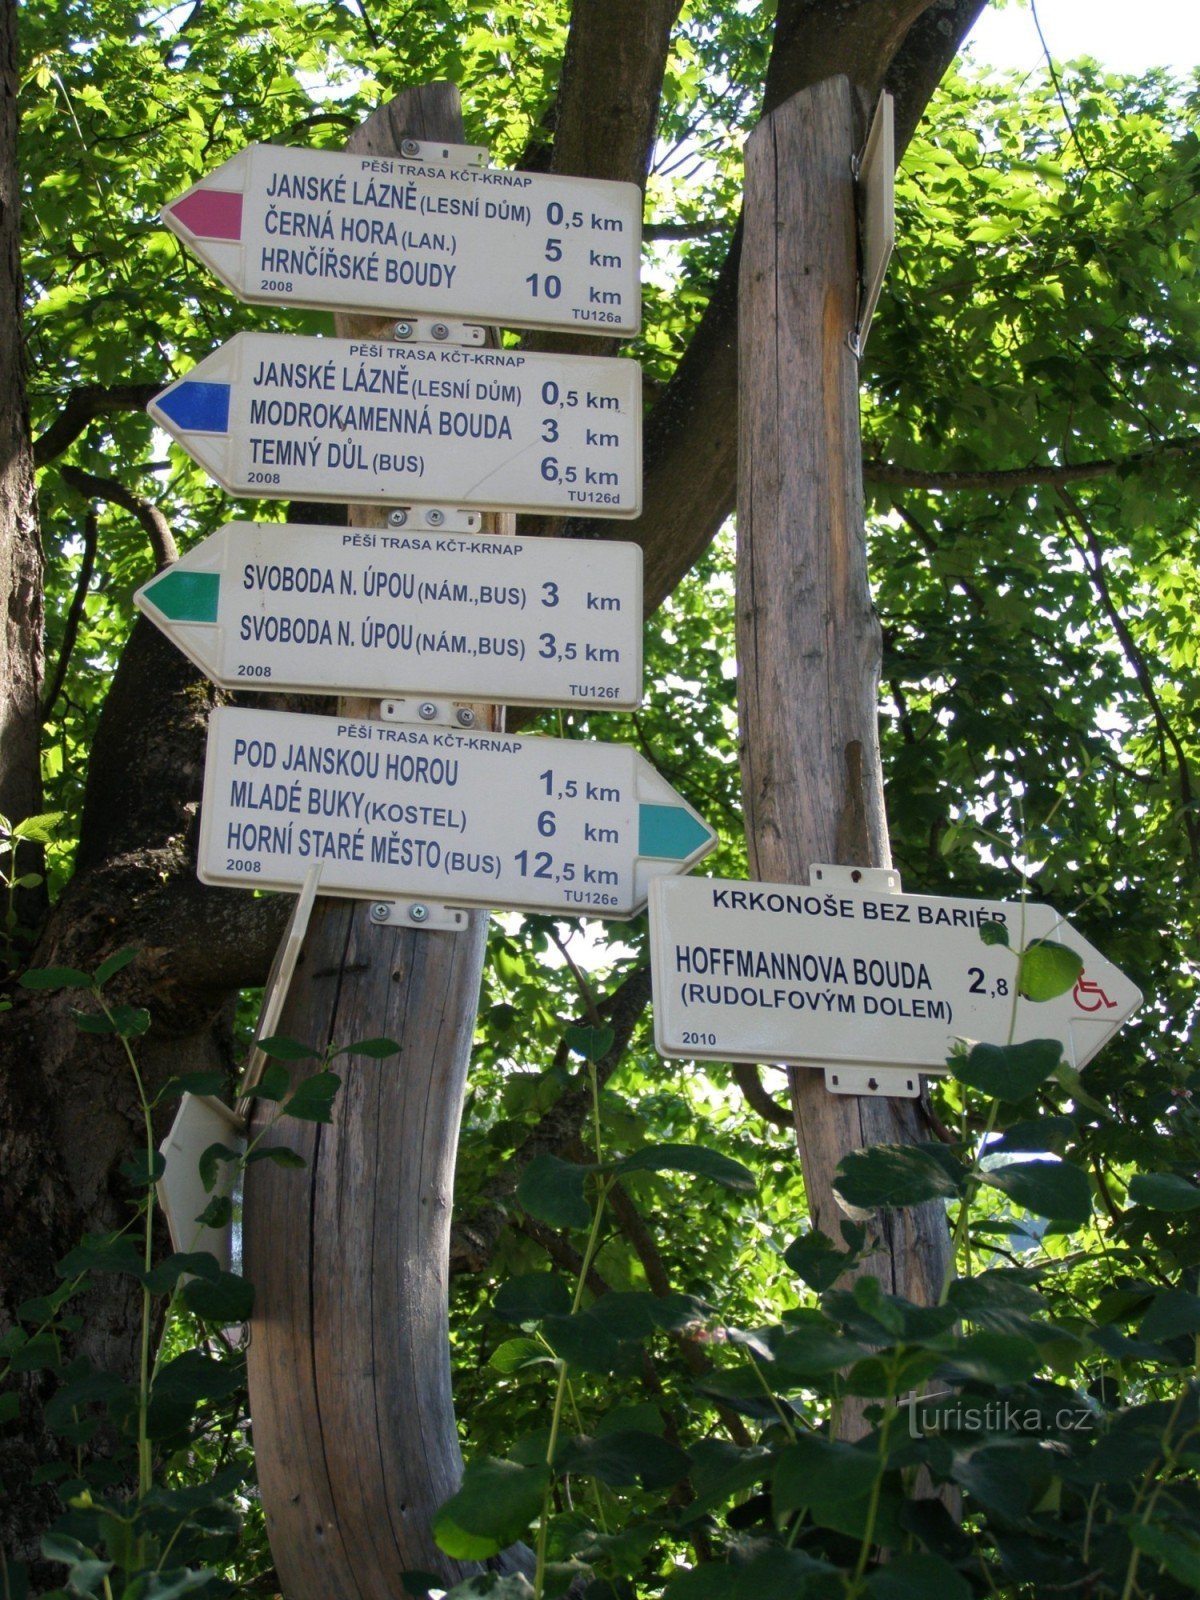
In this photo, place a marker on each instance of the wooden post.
(349, 1356)
(807, 636)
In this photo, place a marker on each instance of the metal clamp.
(437, 330)
(430, 915)
(879, 1083)
(436, 713)
(447, 155)
(443, 519)
(879, 880)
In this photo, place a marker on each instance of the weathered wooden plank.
(349, 1356)
(807, 635)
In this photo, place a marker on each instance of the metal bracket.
(448, 155)
(437, 330)
(880, 880)
(442, 519)
(430, 915)
(895, 1083)
(434, 713)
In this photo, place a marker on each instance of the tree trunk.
(808, 637)
(20, 550)
(349, 1358)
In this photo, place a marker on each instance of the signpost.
(408, 611)
(371, 233)
(272, 415)
(483, 819)
(855, 975)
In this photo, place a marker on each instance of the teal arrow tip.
(185, 596)
(670, 833)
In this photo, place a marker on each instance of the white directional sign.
(272, 415)
(371, 233)
(840, 973)
(483, 819)
(381, 612)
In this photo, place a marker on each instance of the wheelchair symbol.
(1091, 997)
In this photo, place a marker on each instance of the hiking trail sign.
(859, 975)
(381, 612)
(390, 809)
(272, 415)
(384, 234)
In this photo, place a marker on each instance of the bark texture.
(808, 637)
(20, 551)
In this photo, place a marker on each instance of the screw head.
(410, 147)
(427, 711)
(397, 519)
(402, 330)
(439, 330)
(381, 911)
(418, 913)
(465, 717)
(435, 518)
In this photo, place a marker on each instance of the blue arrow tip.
(196, 407)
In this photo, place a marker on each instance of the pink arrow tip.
(210, 213)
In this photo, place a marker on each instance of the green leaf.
(279, 1154)
(493, 1508)
(210, 1163)
(531, 1297)
(377, 1049)
(551, 1190)
(1164, 1191)
(1009, 1071)
(583, 1343)
(225, 1299)
(39, 829)
(989, 1357)
(593, 1044)
(898, 1175)
(514, 1355)
(819, 1471)
(55, 978)
(312, 1098)
(10, 1406)
(218, 1213)
(114, 964)
(1046, 969)
(274, 1082)
(93, 1022)
(694, 1158)
(770, 1574)
(283, 1049)
(993, 933)
(918, 1577)
(1052, 1189)
(102, 1252)
(624, 1458)
(1178, 1550)
(816, 1261)
(1171, 1313)
(165, 1274)
(129, 1022)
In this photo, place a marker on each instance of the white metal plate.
(779, 972)
(374, 612)
(272, 415)
(382, 234)
(465, 818)
(877, 180)
(201, 1121)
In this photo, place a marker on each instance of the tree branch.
(1005, 478)
(1092, 554)
(75, 614)
(84, 405)
(162, 542)
(751, 1084)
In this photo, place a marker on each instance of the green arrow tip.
(185, 596)
(670, 833)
